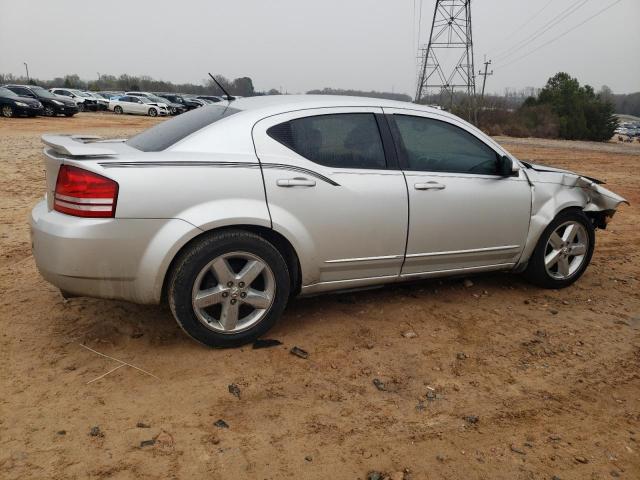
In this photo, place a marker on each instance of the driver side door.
(463, 215)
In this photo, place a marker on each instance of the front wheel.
(118, 110)
(228, 288)
(81, 107)
(563, 251)
(153, 112)
(7, 111)
(49, 111)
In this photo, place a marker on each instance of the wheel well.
(277, 240)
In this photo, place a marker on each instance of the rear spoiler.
(77, 145)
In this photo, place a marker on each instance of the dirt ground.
(501, 381)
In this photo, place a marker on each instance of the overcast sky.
(304, 44)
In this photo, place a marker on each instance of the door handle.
(295, 182)
(429, 186)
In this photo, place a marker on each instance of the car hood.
(600, 198)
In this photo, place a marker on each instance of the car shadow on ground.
(118, 323)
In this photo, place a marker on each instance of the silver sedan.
(226, 212)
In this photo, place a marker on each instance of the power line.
(545, 28)
(562, 35)
(529, 20)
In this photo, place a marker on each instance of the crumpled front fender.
(553, 192)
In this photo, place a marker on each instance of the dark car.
(211, 98)
(52, 104)
(189, 103)
(12, 105)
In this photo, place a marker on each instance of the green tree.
(582, 114)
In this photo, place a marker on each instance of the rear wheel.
(563, 251)
(7, 111)
(228, 288)
(153, 112)
(118, 110)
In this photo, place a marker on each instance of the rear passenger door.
(334, 190)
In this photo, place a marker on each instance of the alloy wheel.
(566, 250)
(49, 111)
(7, 111)
(233, 292)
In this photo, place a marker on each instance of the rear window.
(165, 134)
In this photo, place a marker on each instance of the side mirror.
(506, 167)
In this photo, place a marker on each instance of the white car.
(137, 105)
(83, 100)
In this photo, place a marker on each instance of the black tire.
(49, 111)
(7, 111)
(536, 271)
(117, 109)
(153, 112)
(81, 107)
(192, 261)
(69, 114)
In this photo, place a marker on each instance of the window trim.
(402, 155)
(384, 134)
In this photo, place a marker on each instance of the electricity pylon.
(450, 37)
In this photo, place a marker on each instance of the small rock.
(553, 311)
(555, 477)
(473, 419)
(431, 395)
(517, 450)
(298, 352)
(234, 390)
(61, 432)
(581, 459)
(410, 334)
(266, 343)
(164, 440)
(309, 458)
(375, 476)
(565, 302)
(137, 334)
(441, 458)
(461, 356)
(370, 345)
(221, 424)
(143, 425)
(147, 443)
(614, 473)
(467, 283)
(379, 384)
(96, 432)
(527, 302)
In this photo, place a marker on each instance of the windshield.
(5, 92)
(165, 134)
(158, 99)
(144, 99)
(41, 92)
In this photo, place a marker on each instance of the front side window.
(346, 140)
(435, 146)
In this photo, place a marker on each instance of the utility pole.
(485, 75)
(450, 34)
(26, 67)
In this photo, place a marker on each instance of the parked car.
(200, 102)
(103, 103)
(110, 95)
(52, 104)
(83, 101)
(172, 107)
(210, 98)
(225, 212)
(188, 102)
(12, 105)
(137, 105)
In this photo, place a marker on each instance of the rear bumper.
(114, 258)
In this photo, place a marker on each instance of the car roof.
(271, 104)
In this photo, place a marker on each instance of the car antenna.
(229, 97)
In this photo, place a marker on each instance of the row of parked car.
(32, 100)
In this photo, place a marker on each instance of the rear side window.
(165, 134)
(346, 140)
(436, 146)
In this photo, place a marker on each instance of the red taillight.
(85, 194)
